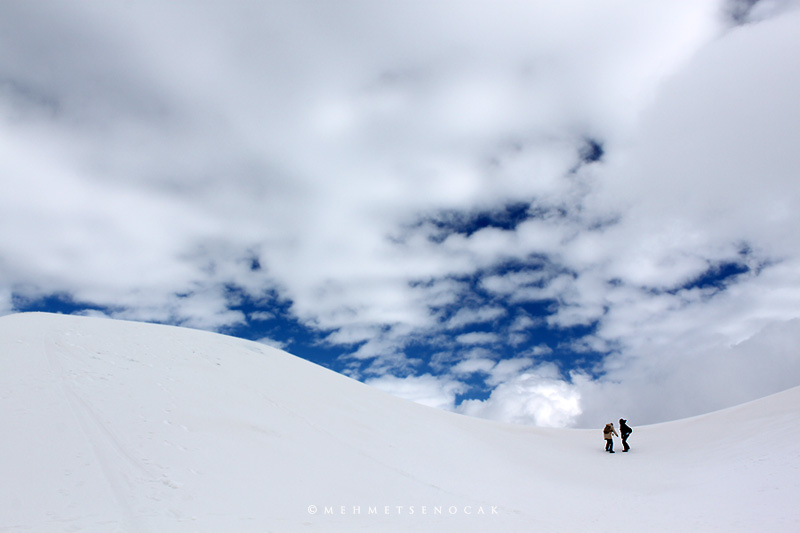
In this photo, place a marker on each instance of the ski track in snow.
(122, 471)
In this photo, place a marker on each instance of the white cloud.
(693, 375)
(514, 283)
(273, 343)
(472, 366)
(466, 317)
(202, 123)
(766, 9)
(426, 389)
(478, 338)
(537, 397)
(508, 368)
(262, 316)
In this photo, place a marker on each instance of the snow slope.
(120, 426)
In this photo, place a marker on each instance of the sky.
(543, 213)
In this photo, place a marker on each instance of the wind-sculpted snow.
(121, 426)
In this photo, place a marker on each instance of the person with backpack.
(608, 433)
(625, 430)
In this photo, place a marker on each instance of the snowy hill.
(120, 426)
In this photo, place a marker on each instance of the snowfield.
(121, 426)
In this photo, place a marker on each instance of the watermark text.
(404, 510)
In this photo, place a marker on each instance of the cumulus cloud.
(207, 124)
(433, 391)
(272, 342)
(478, 337)
(538, 397)
(466, 316)
(471, 366)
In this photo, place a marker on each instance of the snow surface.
(121, 426)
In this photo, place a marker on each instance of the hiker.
(625, 430)
(608, 432)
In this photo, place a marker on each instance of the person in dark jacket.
(608, 433)
(625, 430)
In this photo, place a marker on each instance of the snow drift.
(120, 426)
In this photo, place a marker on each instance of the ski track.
(103, 443)
(122, 470)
